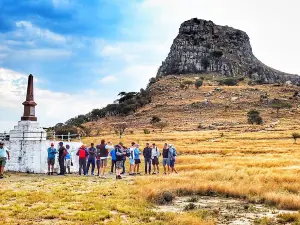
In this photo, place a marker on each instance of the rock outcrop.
(202, 46)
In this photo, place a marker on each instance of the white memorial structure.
(28, 142)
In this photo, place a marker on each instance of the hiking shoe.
(131, 174)
(165, 173)
(48, 173)
(1, 176)
(51, 173)
(153, 173)
(119, 177)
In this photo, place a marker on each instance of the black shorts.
(155, 161)
(137, 161)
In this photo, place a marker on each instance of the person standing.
(119, 160)
(103, 158)
(91, 159)
(98, 159)
(173, 154)
(132, 158)
(147, 157)
(3, 152)
(137, 159)
(82, 153)
(166, 159)
(155, 158)
(51, 158)
(113, 159)
(68, 159)
(126, 153)
(62, 152)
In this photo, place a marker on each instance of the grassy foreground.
(259, 166)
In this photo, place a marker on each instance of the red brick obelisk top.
(29, 104)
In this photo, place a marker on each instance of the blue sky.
(82, 53)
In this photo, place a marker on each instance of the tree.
(155, 119)
(254, 117)
(161, 125)
(198, 83)
(228, 81)
(120, 128)
(278, 104)
(295, 136)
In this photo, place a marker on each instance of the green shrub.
(254, 117)
(198, 83)
(193, 199)
(146, 131)
(228, 81)
(295, 136)
(190, 206)
(155, 119)
(279, 104)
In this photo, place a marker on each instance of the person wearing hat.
(82, 153)
(51, 158)
(62, 152)
(3, 152)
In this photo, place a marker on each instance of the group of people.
(4, 155)
(98, 156)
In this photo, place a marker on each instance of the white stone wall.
(31, 156)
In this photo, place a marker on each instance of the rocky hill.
(202, 46)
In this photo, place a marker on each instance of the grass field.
(262, 167)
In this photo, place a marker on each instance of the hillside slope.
(211, 107)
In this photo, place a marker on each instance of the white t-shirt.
(155, 152)
(131, 153)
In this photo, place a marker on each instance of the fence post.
(69, 137)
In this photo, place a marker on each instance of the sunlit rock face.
(202, 46)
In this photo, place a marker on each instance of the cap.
(60, 143)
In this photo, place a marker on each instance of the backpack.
(65, 152)
(127, 152)
(82, 153)
(174, 152)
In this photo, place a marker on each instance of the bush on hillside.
(146, 131)
(279, 104)
(295, 136)
(161, 125)
(155, 119)
(254, 117)
(228, 81)
(198, 83)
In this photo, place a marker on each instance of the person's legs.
(149, 165)
(93, 166)
(164, 165)
(154, 166)
(123, 165)
(146, 165)
(49, 167)
(52, 167)
(88, 166)
(98, 167)
(84, 166)
(80, 166)
(138, 168)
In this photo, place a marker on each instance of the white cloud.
(53, 107)
(108, 80)
(28, 30)
(61, 3)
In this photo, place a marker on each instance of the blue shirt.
(3, 152)
(137, 153)
(51, 153)
(113, 154)
(68, 155)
